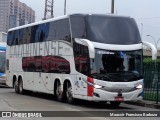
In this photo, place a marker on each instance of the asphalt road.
(10, 101)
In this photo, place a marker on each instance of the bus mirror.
(89, 44)
(153, 48)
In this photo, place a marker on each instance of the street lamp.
(112, 6)
(156, 45)
(153, 40)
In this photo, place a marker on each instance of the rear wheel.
(115, 103)
(16, 88)
(69, 93)
(59, 92)
(20, 85)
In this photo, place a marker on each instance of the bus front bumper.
(101, 95)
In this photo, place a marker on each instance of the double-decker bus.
(2, 63)
(92, 57)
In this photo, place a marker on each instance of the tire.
(58, 92)
(69, 93)
(16, 88)
(20, 86)
(115, 103)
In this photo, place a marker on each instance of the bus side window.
(16, 37)
(34, 35)
(59, 30)
(38, 63)
(21, 32)
(27, 35)
(81, 57)
(43, 30)
(10, 38)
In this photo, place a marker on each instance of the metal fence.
(151, 81)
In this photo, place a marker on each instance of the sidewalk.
(145, 103)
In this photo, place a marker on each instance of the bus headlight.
(97, 86)
(94, 85)
(90, 82)
(140, 86)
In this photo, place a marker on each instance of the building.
(3, 37)
(14, 13)
(147, 52)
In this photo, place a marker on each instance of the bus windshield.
(2, 61)
(117, 66)
(112, 30)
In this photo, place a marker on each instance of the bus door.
(81, 78)
(44, 82)
(42, 75)
(80, 85)
(29, 80)
(28, 65)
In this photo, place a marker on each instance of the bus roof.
(39, 22)
(62, 17)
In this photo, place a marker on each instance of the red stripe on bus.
(90, 89)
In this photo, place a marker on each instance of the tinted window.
(27, 35)
(112, 30)
(40, 32)
(55, 30)
(13, 38)
(81, 57)
(34, 36)
(59, 30)
(38, 63)
(78, 26)
(16, 37)
(28, 64)
(46, 64)
(21, 33)
(117, 66)
(10, 38)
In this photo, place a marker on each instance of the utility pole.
(48, 13)
(112, 7)
(64, 7)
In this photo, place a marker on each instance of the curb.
(144, 104)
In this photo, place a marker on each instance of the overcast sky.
(146, 12)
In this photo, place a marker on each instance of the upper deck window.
(112, 30)
(54, 30)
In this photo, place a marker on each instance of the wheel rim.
(16, 86)
(58, 90)
(69, 93)
(20, 87)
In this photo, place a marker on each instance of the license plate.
(119, 99)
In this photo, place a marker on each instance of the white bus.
(92, 57)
